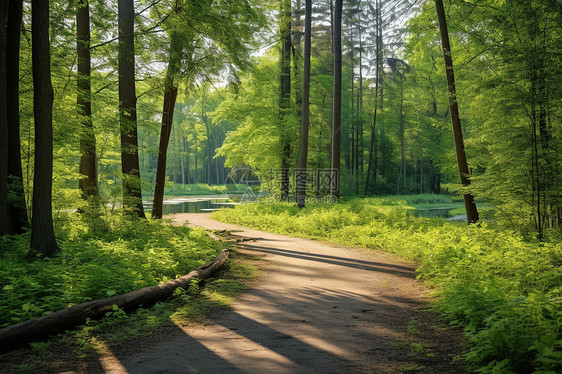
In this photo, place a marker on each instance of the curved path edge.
(316, 308)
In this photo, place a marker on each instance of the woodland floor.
(316, 308)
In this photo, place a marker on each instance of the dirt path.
(317, 308)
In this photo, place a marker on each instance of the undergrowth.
(82, 347)
(503, 288)
(100, 256)
(178, 189)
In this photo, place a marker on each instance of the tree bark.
(303, 152)
(336, 103)
(471, 211)
(132, 195)
(16, 198)
(208, 132)
(285, 94)
(195, 172)
(77, 314)
(372, 163)
(402, 140)
(358, 121)
(170, 95)
(42, 234)
(88, 169)
(5, 224)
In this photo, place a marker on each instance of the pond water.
(192, 204)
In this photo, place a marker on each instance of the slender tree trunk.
(303, 152)
(5, 224)
(16, 197)
(196, 171)
(187, 161)
(208, 174)
(471, 211)
(132, 195)
(380, 119)
(170, 95)
(372, 163)
(349, 145)
(336, 103)
(42, 234)
(402, 143)
(358, 124)
(297, 50)
(360, 141)
(285, 97)
(535, 170)
(88, 168)
(421, 175)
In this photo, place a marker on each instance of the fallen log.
(14, 335)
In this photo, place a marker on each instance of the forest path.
(316, 308)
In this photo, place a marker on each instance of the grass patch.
(98, 258)
(503, 288)
(178, 189)
(82, 347)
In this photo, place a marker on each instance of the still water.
(192, 204)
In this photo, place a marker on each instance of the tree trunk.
(170, 95)
(285, 94)
(5, 224)
(303, 152)
(372, 163)
(187, 166)
(42, 234)
(88, 168)
(360, 140)
(16, 198)
(402, 143)
(78, 314)
(195, 172)
(471, 211)
(132, 195)
(336, 103)
(208, 147)
(349, 144)
(297, 50)
(359, 124)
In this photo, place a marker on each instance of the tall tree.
(208, 148)
(336, 102)
(4, 218)
(170, 94)
(88, 166)
(16, 197)
(132, 195)
(471, 211)
(372, 161)
(42, 234)
(285, 93)
(303, 152)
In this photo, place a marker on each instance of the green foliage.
(101, 256)
(178, 189)
(503, 288)
(508, 72)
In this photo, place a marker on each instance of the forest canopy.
(230, 75)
